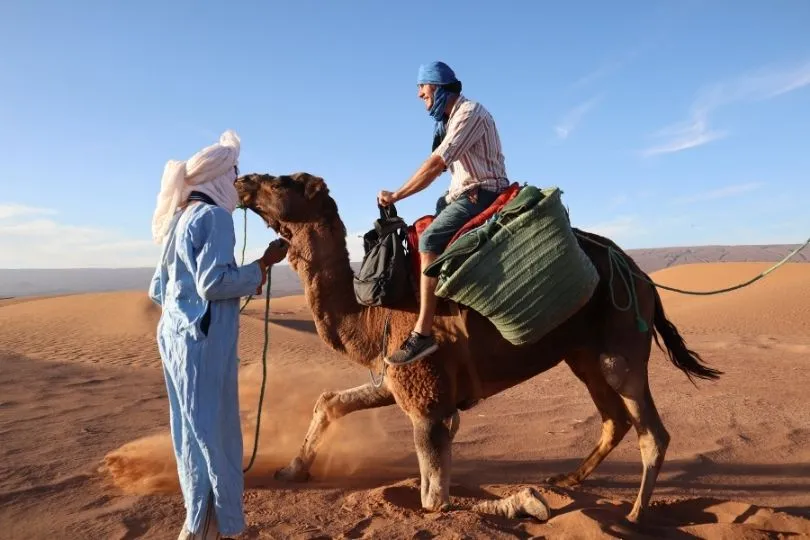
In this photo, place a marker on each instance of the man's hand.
(275, 252)
(431, 169)
(386, 198)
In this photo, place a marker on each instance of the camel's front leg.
(433, 440)
(329, 407)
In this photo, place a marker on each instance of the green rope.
(625, 271)
(264, 373)
(386, 332)
(734, 287)
(244, 234)
(264, 350)
(244, 246)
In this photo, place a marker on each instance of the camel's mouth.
(248, 188)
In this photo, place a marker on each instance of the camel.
(601, 344)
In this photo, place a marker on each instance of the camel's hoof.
(625, 529)
(562, 480)
(295, 472)
(533, 505)
(436, 506)
(446, 507)
(633, 517)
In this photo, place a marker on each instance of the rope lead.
(619, 262)
(264, 350)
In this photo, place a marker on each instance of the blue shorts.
(452, 217)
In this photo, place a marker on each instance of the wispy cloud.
(10, 210)
(689, 134)
(760, 85)
(604, 70)
(599, 73)
(618, 200)
(571, 119)
(30, 241)
(622, 227)
(721, 193)
(46, 227)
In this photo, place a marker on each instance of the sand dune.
(769, 306)
(81, 382)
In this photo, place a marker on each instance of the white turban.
(210, 171)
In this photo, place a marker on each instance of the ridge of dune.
(777, 304)
(118, 328)
(107, 328)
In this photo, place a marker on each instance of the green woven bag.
(524, 270)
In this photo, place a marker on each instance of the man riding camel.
(465, 141)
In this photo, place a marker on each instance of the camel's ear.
(315, 186)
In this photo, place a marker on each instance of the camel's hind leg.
(615, 420)
(630, 380)
(329, 407)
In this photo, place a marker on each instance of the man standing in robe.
(198, 286)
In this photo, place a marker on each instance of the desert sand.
(86, 453)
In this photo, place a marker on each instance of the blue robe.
(198, 285)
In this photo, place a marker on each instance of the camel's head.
(287, 199)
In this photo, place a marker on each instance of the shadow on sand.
(394, 481)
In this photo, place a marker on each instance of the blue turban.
(435, 73)
(439, 74)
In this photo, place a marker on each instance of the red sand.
(81, 380)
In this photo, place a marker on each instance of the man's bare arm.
(430, 170)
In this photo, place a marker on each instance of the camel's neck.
(318, 253)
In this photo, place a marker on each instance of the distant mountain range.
(44, 282)
(285, 282)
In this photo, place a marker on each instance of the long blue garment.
(198, 285)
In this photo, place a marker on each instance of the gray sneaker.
(415, 347)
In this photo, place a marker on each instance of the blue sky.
(665, 123)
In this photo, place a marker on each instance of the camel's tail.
(679, 354)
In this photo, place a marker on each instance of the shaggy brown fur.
(600, 344)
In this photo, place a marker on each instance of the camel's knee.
(328, 405)
(654, 444)
(614, 430)
(334, 405)
(615, 369)
(432, 441)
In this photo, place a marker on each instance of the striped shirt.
(472, 150)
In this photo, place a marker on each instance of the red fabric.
(414, 232)
(502, 200)
(419, 226)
